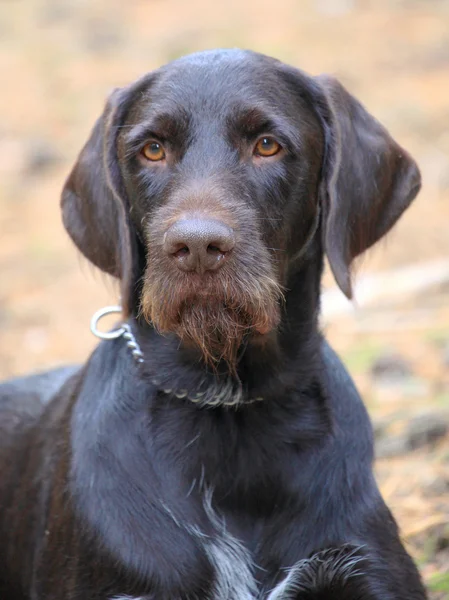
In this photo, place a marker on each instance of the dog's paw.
(331, 571)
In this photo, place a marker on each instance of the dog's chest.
(235, 568)
(239, 549)
(235, 574)
(160, 502)
(229, 548)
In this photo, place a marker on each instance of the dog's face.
(202, 181)
(216, 186)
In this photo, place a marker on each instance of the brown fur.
(216, 313)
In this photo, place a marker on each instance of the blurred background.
(59, 59)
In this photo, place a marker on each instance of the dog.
(215, 447)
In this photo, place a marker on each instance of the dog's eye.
(153, 151)
(267, 146)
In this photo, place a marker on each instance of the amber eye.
(267, 146)
(153, 151)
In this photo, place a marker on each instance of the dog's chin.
(217, 330)
(218, 323)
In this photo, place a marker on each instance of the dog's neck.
(282, 360)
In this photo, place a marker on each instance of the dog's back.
(26, 455)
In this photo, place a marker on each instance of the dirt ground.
(58, 61)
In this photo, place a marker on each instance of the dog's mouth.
(217, 314)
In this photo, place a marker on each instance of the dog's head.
(202, 181)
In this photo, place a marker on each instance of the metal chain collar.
(124, 330)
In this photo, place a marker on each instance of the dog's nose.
(199, 244)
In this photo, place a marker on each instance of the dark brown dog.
(228, 456)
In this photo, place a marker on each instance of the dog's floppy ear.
(368, 179)
(95, 209)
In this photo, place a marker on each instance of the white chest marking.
(231, 560)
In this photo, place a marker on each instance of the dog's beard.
(216, 313)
